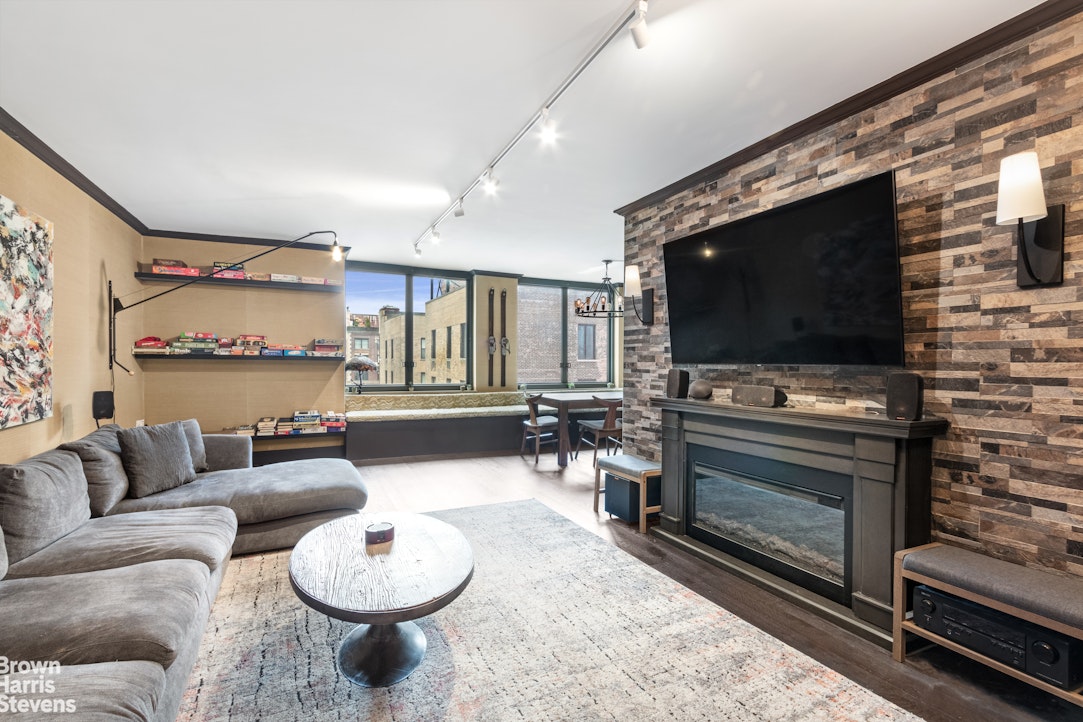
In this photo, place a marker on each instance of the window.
(448, 346)
(462, 340)
(556, 347)
(585, 342)
(397, 308)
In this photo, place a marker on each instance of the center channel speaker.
(766, 396)
(677, 384)
(905, 396)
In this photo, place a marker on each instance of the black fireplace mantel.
(890, 462)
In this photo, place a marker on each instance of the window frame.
(565, 318)
(412, 365)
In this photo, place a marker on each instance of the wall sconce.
(632, 288)
(1021, 199)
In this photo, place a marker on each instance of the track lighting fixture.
(547, 129)
(633, 18)
(417, 249)
(336, 251)
(434, 235)
(489, 182)
(640, 34)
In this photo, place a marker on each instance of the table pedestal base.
(379, 655)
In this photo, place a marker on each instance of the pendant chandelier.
(605, 302)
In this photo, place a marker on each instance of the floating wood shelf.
(281, 285)
(232, 357)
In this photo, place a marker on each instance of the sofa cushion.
(100, 692)
(41, 500)
(155, 458)
(107, 483)
(196, 446)
(138, 612)
(264, 493)
(204, 534)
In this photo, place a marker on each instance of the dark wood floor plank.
(936, 684)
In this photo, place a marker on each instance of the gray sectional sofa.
(112, 549)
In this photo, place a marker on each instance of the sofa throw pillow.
(155, 458)
(195, 444)
(41, 500)
(106, 480)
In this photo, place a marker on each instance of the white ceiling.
(272, 118)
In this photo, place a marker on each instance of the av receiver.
(1043, 653)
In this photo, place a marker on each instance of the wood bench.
(1042, 598)
(633, 469)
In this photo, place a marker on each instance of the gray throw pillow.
(195, 444)
(41, 500)
(156, 458)
(105, 477)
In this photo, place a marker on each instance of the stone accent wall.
(1004, 365)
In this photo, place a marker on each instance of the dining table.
(562, 401)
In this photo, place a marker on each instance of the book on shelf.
(314, 280)
(286, 277)
(242, 430)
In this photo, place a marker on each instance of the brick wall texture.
(1003, 364)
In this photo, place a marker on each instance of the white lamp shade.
(1019, 194)
(632, 285)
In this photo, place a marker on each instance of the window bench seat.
(388, 426)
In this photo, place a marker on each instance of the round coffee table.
(382, 586)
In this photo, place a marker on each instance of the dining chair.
(542, 429)
(610, 428)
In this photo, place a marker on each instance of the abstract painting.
(26, 316)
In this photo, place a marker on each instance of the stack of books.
(249, 344)
(266, 426)
(242, 430)
(307, 422)
(326, 347)
(333, 422)
(195, 342)
(283, 349)
(284, 427)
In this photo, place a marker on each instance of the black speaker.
(102, 405)
(767, 396)
(905, 396)
(677, 384)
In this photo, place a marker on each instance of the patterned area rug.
(555, 625)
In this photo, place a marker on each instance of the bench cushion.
(1060, 597)
(628, 465)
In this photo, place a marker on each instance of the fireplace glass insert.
(790, 521)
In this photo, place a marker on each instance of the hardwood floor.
(935, 684)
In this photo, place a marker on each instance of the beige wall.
(90, 245)
(482, 284)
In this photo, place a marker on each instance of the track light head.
(417, 250)
(547, 129)
(640, 34)
(459, 212)
(489, 182)
(434, 235)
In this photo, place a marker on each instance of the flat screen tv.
(812, 282)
